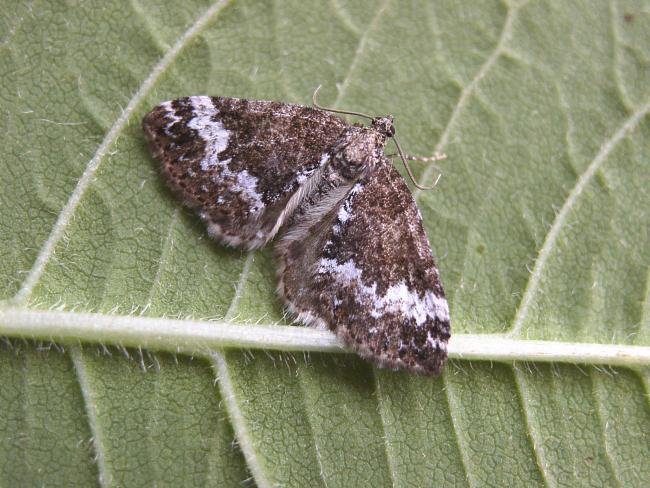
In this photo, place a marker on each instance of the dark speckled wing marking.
(366, 271)
(354, 257)
(239, 162)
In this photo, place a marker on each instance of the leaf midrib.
(203, 337)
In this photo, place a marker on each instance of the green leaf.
(541, 226)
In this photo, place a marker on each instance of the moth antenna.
(315, 103)
(399, 148)
(408, 169)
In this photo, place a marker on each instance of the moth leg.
(424, 159)
(436, 157)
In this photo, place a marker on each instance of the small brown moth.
(353, 255)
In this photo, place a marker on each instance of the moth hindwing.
(353, 254)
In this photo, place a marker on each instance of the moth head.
(384, 125)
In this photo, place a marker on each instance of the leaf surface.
(540, 224)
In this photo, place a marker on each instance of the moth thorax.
(360, 155)
(347, 167)
(384, 125)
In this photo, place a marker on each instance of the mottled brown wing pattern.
(239, 162)
(354, 257)
(365, 270)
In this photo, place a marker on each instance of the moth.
(353, 256)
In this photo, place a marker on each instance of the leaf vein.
(463, 449)
(166, 250)
(47, 251)
(239, 289)
(561, 219)
(105, 477)
(361, 47)
(342, 14)
(390, 458)
(536, 442)
(603, 427)
(238, 421)
(469, 89)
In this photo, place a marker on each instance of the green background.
(540, 224)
